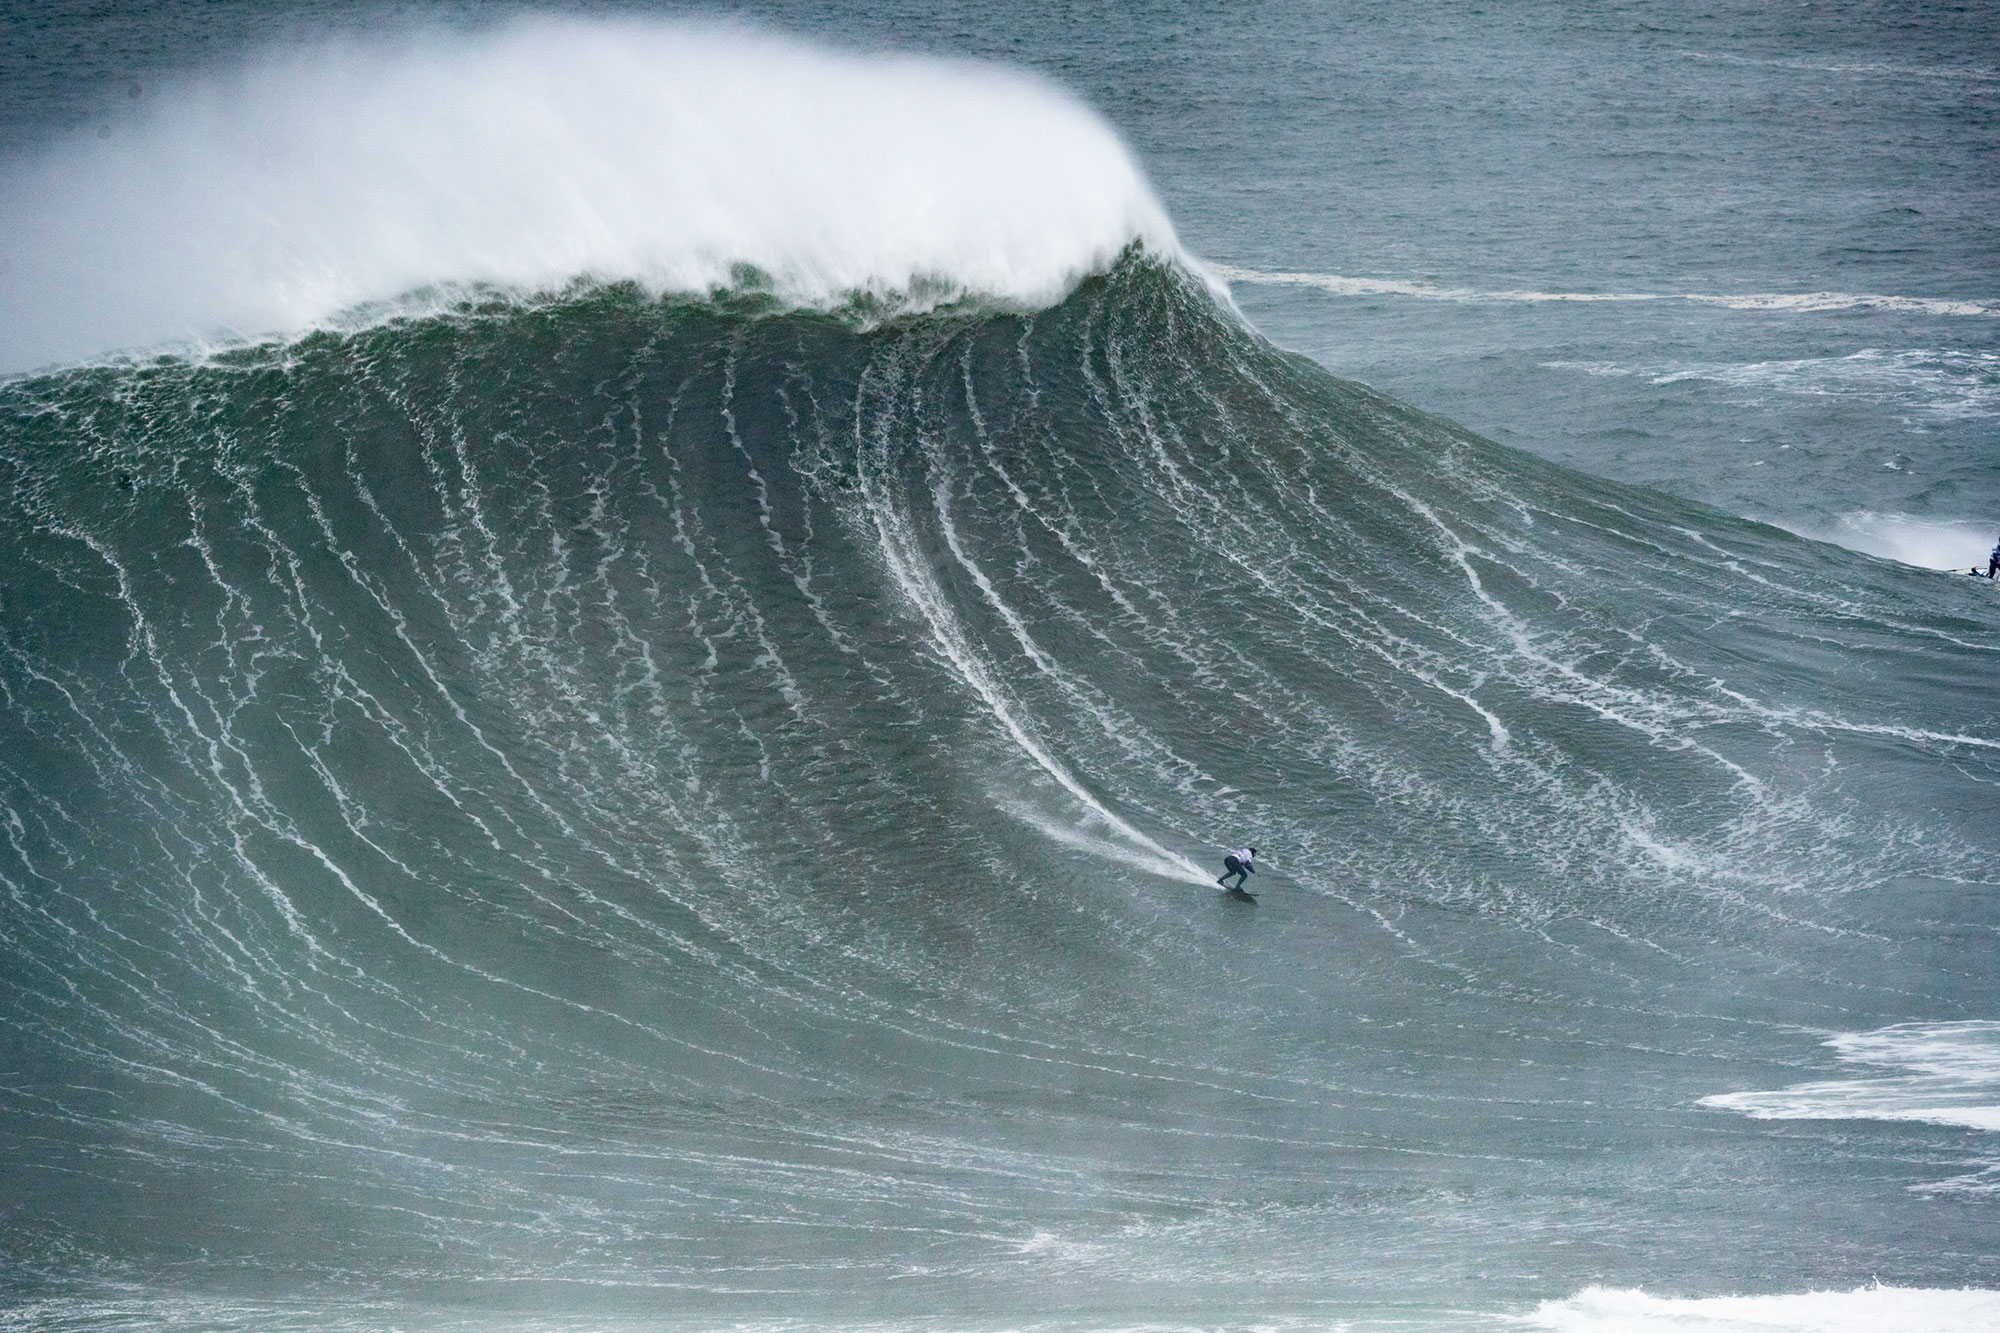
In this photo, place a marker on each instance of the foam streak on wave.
(901, 551)
(1951, 1076)
(1339, 285)
(339, 179)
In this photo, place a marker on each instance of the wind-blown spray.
(682, 157)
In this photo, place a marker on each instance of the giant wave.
(644, 804)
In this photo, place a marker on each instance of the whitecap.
(1341, 285)
(1927, 543)
(1865, 1310)
(1951, 1076)
(684, 157)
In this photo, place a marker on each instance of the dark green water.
(661, 809)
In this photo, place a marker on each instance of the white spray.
(312, 183)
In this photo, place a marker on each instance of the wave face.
(331, 178)
(624, 806)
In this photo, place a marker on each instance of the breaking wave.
(1875, 1309)
(362, 179)
(670, 796)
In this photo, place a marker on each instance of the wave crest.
(268, 201)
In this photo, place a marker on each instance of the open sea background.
(627, 645)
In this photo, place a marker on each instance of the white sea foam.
(311, 182)
(1928, 543)
(1866, 1310)
(1938, 385)
(1941, 385)
(1952, 1077)
(1117, 842)
(1341, 285)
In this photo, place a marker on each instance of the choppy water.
(558, 800)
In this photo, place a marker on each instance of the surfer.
(1237, 863)
(1993, 561)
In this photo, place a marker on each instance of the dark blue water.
(626, 654)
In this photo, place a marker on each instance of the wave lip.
(683, 157)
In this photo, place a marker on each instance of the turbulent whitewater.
(332, 182)
(596, 801)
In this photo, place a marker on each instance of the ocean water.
(629, 640)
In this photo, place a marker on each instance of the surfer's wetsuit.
(1993, 561)
(1237, 863)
